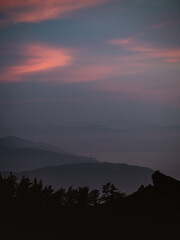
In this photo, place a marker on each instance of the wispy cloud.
(135, 62)
(37, 58)
(122, 75)
(63, 65)
(147, 51)
(32, 11)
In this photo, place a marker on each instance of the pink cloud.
(37, 58)
(78, 72)
(18, 11)
(48, 63)
(100, 70)
(146, 51)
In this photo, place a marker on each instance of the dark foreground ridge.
(31, 211)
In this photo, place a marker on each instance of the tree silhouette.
(36, 193)
(8, 187)
(94, 197)
(23, 192)
(110, 193)
(71, 197)
(83, 196)
(26, 204)
(57, 199)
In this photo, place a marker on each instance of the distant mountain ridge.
(86, 127)
(15, 142)
(18, 155)
(127, 178)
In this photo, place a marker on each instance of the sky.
(85, 60)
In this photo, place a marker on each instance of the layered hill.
(127, 178)
(15, 142)
(19, 155)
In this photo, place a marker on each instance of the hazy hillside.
(12, 141)
(102, 136)
(18, 155)
(126, 177)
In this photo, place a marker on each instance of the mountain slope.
(125, 177)
(162, 197)
(19, 155)
(12, 141)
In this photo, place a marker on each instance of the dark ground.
(96, 223)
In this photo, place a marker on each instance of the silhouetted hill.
(164, 182)
(162, 197)
(125, 177)
(30, 210)
(162, 185)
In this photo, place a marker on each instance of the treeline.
(25, 192)
(30, 210)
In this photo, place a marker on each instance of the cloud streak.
(146, 51)
(37, 58)
(33, 11)
(135, 61)
(123, 74)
